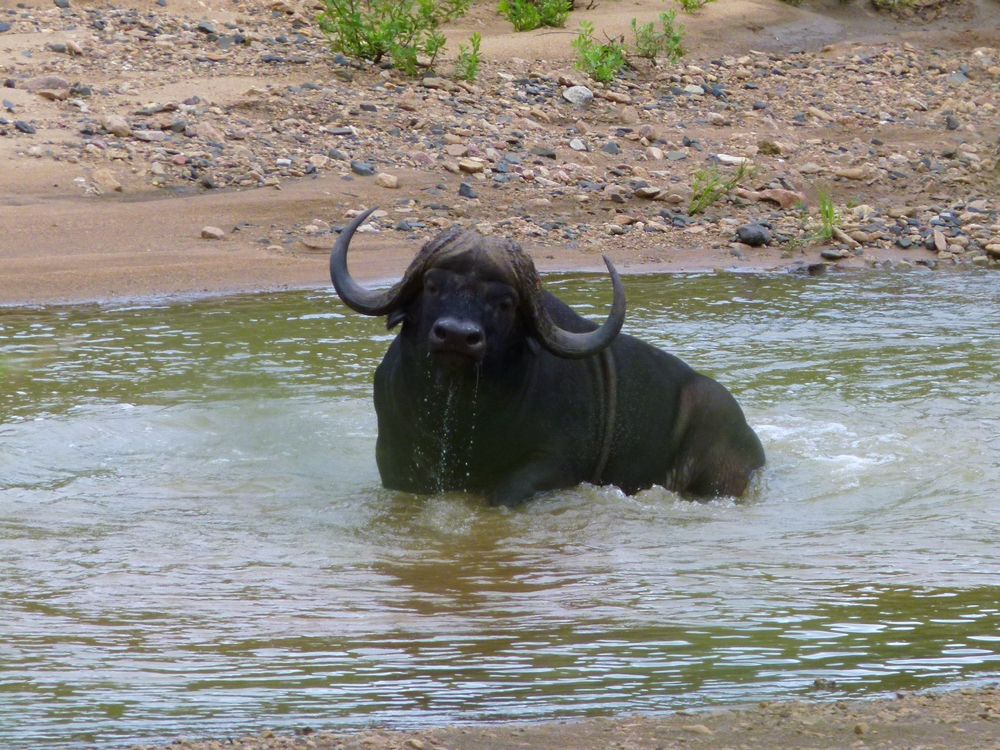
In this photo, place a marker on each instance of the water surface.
(193, 538)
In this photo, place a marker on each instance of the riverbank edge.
(949, 718)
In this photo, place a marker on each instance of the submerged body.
(496, 387)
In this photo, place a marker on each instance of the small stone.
(206, 27)
(648, 192)
(4, 26)
(456, 149)
(212, 233)
(677, 155)
(852, 173)
(693, 90)
(116, 125)
(433, 82)
(833, 254)
(755, 235)
(952, 123)
(735, 161)
(698, 729)
(785, 198)
(362, 168)
(105, 179)
(24, 127)
(471, 166)
(611, 148)
(577, 144)
(768, 148)
(61, 3)
(940, 241)
(465, 190)
(993, 250)
(386, 180)
(578, 95)
(655, 154)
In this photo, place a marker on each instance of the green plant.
(526, 15)
(829, 218)
(708, 186)
(467, 62)
(602, 62)
(650, 43)
(692, 6)
(403, 30)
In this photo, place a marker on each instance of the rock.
(655, 154)
(732, 160)
(386, 180)
(785, 198)
(677, 155)
(611, 148)
(579, 96)
(577, 144)
(852, 173)
(456, 149)
(755, 235)
(24, 127)
(952, 123)
(212, 233)
(993, 250)
(206, 27)
(105, 179)
(648, 192)
(61, 3)
(362, 168)
(150, 136)
(833, 254)
(433, 82)
(769, 148)
(4, 26)
(116, 125)
(46, 83)
(465, 190)
(940, 241)
(471, 166)
(693, 90)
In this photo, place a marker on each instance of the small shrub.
(829, 218)
(693, 6)
(708, 186)
(602, 62)
(526, 15)
(650, 43)
(402, 30)
(467, 62)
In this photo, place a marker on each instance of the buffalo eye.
(505, 304)
(431, 287)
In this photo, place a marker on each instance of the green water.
(193, 539)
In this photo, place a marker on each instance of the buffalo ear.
(394, 318)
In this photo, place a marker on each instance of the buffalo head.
(467, 299)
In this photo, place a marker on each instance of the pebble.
(386, 180)
(577, 144)
(212, 233)
(465, 190)
(364, 169)
(578, 95)
(24, 127)
(105, 179)
(754, 235)
(4, 26)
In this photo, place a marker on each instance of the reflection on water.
(193, 538)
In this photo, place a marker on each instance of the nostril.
(474, 338)
(439, 332)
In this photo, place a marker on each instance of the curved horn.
(578, 345)
(353, 294)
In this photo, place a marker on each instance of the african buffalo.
(495, 386)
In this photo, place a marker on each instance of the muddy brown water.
(194, 541)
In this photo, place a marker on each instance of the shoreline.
(958, 718)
